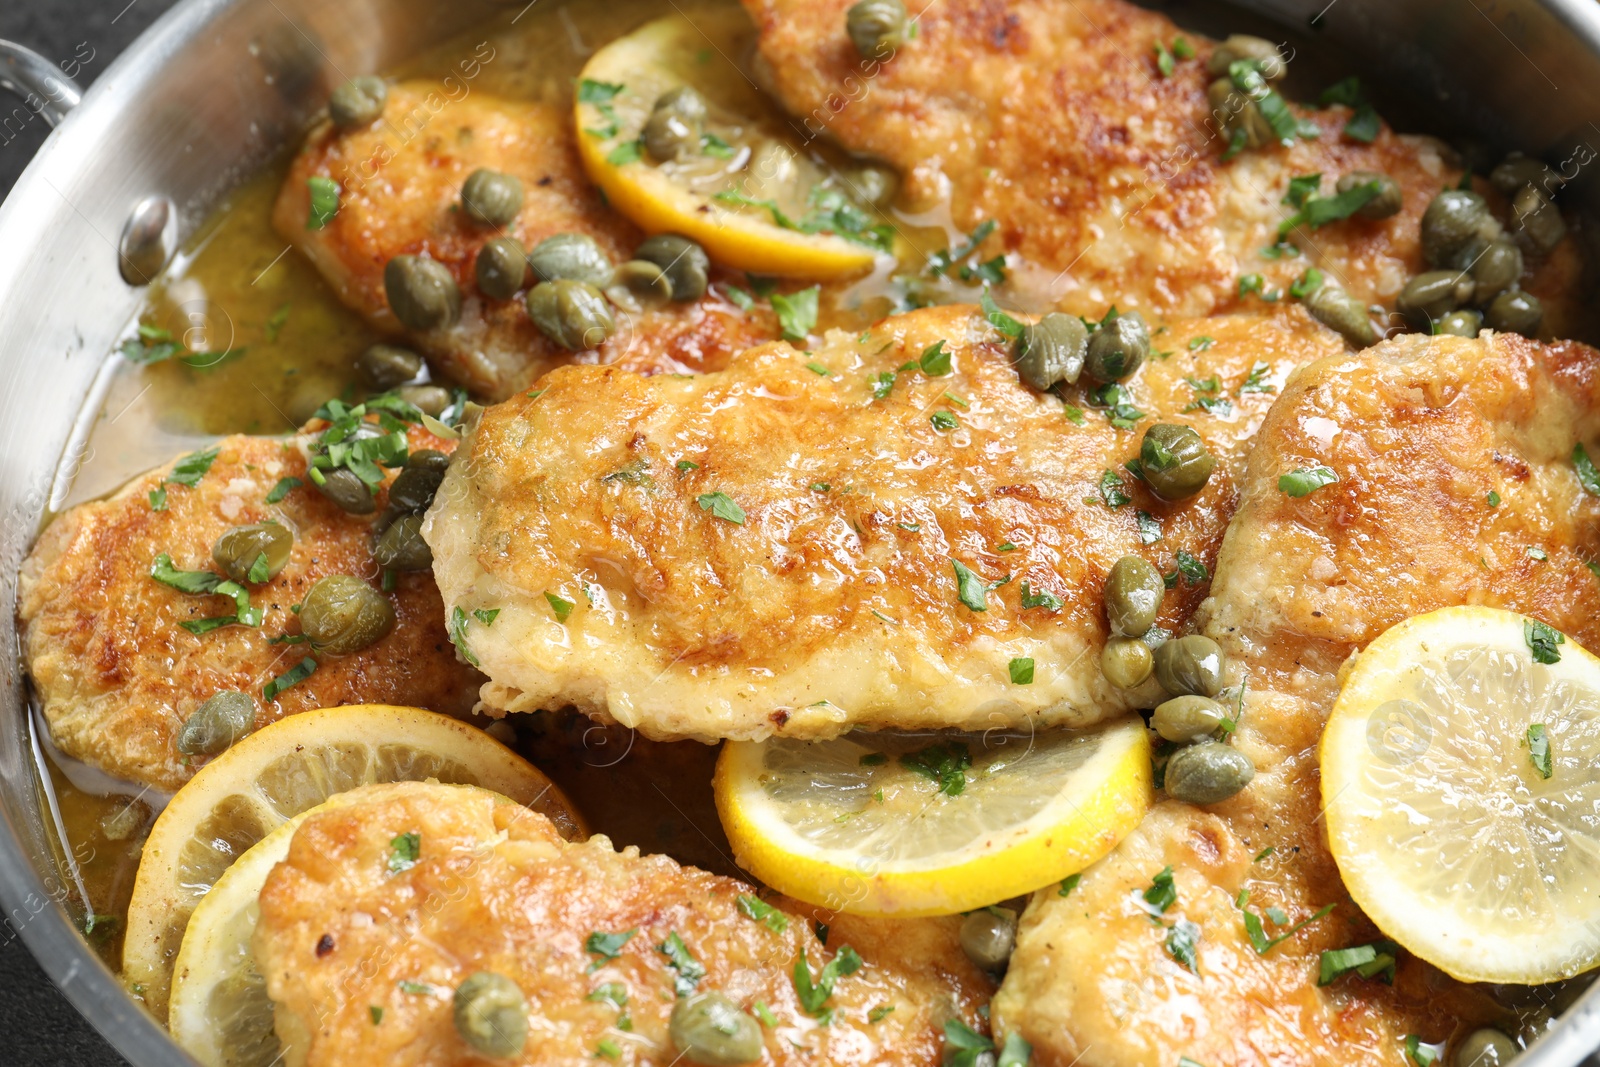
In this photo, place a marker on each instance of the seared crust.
(400, 186)
(495, 888)
(117, 676)
(834, 603)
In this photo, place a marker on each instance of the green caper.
(1534, 214)
(430, 459)
(1175, 461)
(349, 492)
(1133, 595)
(501, 268)
(1389, 200)
(1243, 46)
(1126, 662)
(687, 266)
(1514, 311)
(639, 285)
(1518, 170)
(1342, 313)
(428, 399)
(1052, 350)
(422, 292)
(1432, 294)
(491, 1014)
(709, 1029)
(872, 184)
(1187, 718)
(386, 366)
(490, 198)
(988, 935)
(412, 492)
(876, 27)
(1455, 226)
(570, 256)
(1463, 323)
(676, 122)
(572, 314)
(1207, 773)
(342, 614)
(1192, 664)
(217, 724)
(358, 102)
(1486, 1048)
(401, 547)
(1117, 348)
(253, 553)
(1499, 268)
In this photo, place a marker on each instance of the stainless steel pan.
(218, 87)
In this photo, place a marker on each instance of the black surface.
(38, 1028)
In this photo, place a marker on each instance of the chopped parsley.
(1191, 568)
(1112, 398)
(1303, 481)
(1149, 527)
(291, 677)
(1493, 499)
(1257, 933)
(1310, 281)
(880, 1013)
(158, 499)
(1183, 940)
(1263, 854)
(1256, 381)
(356, 444)
(1016, 1052)
(941, 261)
(1314, 210)
(684, 465)
(1007, 325)
(486, 615)
(753, 907)
(1542, 641)
(1074, 414)
(1163, 892)
(797, 312)
(970, 588)
(969, 1047)
(404, 850)
(935, 360)
(722, 506)
(375, 1013)
(829, 211)
(188, 471)
(1248, 80)
(1039, 599)
(207, 583)
(1421, 1053)
(282, 489)
(1255, 283)
(1588, 477)
(945, 763)
(957, 401)
(1537, 553)
(760, 1010)
(1539, 749)
(816, 368)
(943, 420)
(415, 989)
(591, 91)
(606, 947)
(1201, 343)
(814, 993)
(1111, 490)
(741, 299)
(1182, 48)
(688, 969)
(1164, 60)
(715, 146)
(1068, 884)
(1374, 960)
(1021, 669)
(275, 323)
(882, 386)
(151, 345)
(324, 201)
(458, 635)
(608, 1049)
(625, 153)
(562, 608)
(1364, 125)
(613, 993)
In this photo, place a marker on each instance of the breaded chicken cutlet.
(1455, 485)
(343, 940)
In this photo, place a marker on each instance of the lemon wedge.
(730, 197)
(287, 768)
(1460, 779)
(896, 825)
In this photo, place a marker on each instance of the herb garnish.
(207, 583)
(797, 312)
(1375, 959)
(1021, 669)
(1149, 527)
(997, 318)
(1256, 382)
(1315, 210)
(1068, 884)
(814, 993)
(1303, 481)
(945, 763)
(1539, 749)
(458, 635)
(1039, 599)
(754, 907)
(282, 489)
(293, 676)
(404, 849)
(190, 469)
(605, 946)
(943, 420)
(1111, 489)
(561, 607)
(1542, 641)
(941, 261)
(1421, 1053)
(1257, 934)
(722, 506)
(1112, 398)
(486, 615)
(1182, 942)
(689, 970)
(935, 360)
(970, 588)
(324, 201)
(158, 498)
(1588, 477)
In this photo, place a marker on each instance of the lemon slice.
(712, 197)
(1443, 822)
(287, 768)
(897, 825)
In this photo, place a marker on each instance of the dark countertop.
(41, 1029)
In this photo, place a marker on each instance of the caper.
(676, 122)
(872, 184)
(876, 27)
(1342, 313)
(1388, 201)
(342, 614)
(1133, 595)
(422, 292)
(1499, 268)
(570, 256)
(1432, 294)
(572, 314)
(1518, 170)
(639, 285)
(687, 266)
(1243, 46)
(217, 724)
(1117, 348)
(501, 268)
(491, 1014)
(490, 198)
(1236, 111)
(1175, 461)
(709, 1029)
(1455, 226)
(988, 935)
(387, 366)
(1486, 1048)
(430, 459)
(1207, 773)
(349, 492)
(1187, 718)
(240, 550)
(358, 102)
(401, 546)
(1514, 311)
(412, 492)
(1190, 664)
(1126, 662)
(1463, 323)
(428, 399)
(1536, 216)
(1052, 350)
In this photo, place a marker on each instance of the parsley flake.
(1542, 641)
(291, 677)
(1367, 961)
(722, 506)
(1588, 477)
(1539, 749)
(753, 907)
(324, 201)
(1021, 669)
(797, 312)
(1068, 884)
(970, 588)
(689, 970)
(404, 850)
(943, 420)
(935, 360)
(562, 608)
(458, 635)
(944, 763)
(606, 947)
(1111, 490)
(1303, 481)
(1183, 940)
(282, 489)
(814, 992)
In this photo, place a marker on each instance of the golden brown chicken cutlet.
(400, 183)
(1456, 485)
(342, 940)
(862, 534)
(116, 672)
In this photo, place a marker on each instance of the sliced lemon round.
(285, 769)
(748, 196)
(901, 825)
(1461, 782)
